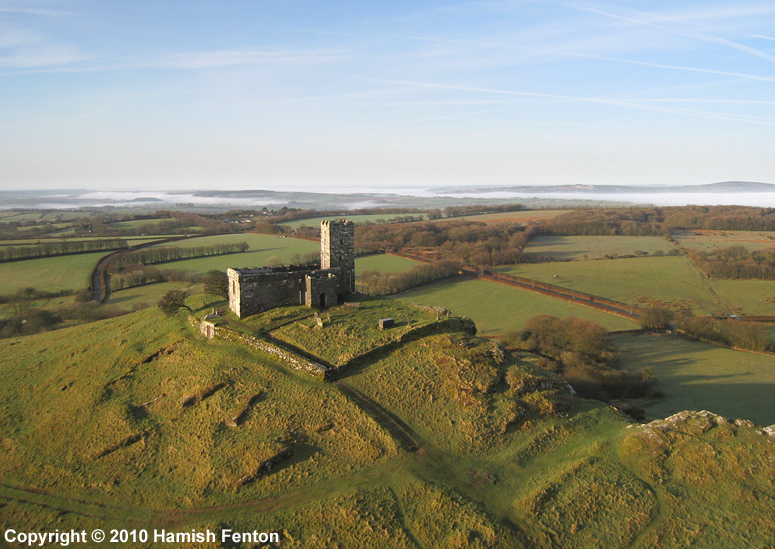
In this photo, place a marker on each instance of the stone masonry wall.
(210, 330)
(337, 249)
(322, 285)
(254, 290)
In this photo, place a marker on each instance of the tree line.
(658, 221)
(735, 262)
(730, 333)
(457, 211)
(391, 283)
(60, 247)
(163, 254)
(584, 354)
(470, 243)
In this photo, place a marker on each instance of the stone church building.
(255, 290)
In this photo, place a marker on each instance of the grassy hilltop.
(139, 422)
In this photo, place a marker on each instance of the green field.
(752, 297)
(529, 216)
(50, 274)
(314, 222)
(596, 247)
(262, 248)
(497, 309)
(136, 223)
(700, 376)
(130, 240)
(672, 281)
(384, 263)
(712, 240)
(58, 226)
(41, 215)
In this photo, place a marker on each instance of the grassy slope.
(188, 455)
(342, 338)
(498, 309)
(147, 295)
(699, 376)
(595, 247)
(67, 272)
(508, 458)
(638, 281)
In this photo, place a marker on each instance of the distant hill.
(721, 187)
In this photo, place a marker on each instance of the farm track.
(380, 415)
(99, 280)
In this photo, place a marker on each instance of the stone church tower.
(337, 251)
(255, 290)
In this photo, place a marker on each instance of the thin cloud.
(41, 57)
(180, 61)
(33, 11)
(672, 67)
(601, 101)
(646, 22)
(231, 58)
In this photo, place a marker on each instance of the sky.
(288, 95)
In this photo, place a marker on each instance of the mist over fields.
(348, 197)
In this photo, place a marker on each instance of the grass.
(147, 295)
(351, 332)
(707, 240)
(752, 297)
(53, 274)
(41, 215)
(510, 217)
(384, 263)
(596, 247)
(262, 248)
(137, 223)
(672, 281)
(497, 309)
(314, 222)
(508, 458)
(130, 360)
(131, 240)
(699, 376)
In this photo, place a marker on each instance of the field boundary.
(211, 331)
(98, 279)
(549, 290)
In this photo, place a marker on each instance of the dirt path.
(380, 415)
(99, 280)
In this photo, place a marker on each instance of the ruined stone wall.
(254, 290)
(337, 250)
(323, 288)
(210, 330)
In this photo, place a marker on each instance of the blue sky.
(343, 95)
